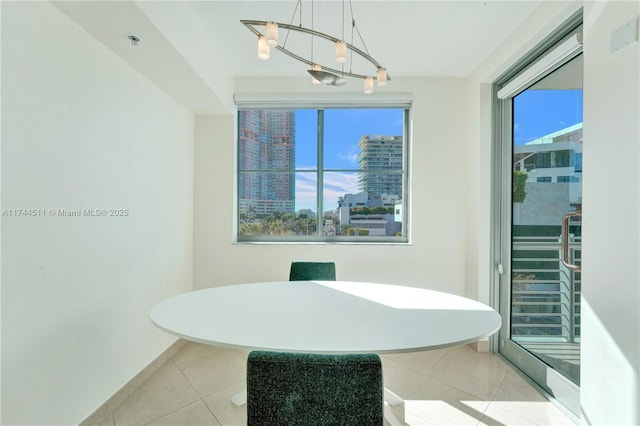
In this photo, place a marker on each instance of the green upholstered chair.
(314, 389)
(305, 271)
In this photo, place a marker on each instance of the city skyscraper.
(381, 161)
(266, 158)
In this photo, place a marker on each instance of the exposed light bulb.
(272, 34)
(381, 76)
(263, 48)
(341, 51)
(368, 85)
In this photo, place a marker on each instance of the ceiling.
(194, 50)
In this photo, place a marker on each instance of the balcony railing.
(545, 300)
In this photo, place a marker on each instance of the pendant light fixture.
(267, 33)
(263, 48)
(272, 34)
(341, 52)
(368, 85)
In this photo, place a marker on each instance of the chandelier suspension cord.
(342, 67)
(354, 26)
(293, 16)
(312, 28)
(343, 19)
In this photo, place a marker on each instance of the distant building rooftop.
(568, 134)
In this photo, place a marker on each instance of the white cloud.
(342, 182)
(351, 157)
(335, 185)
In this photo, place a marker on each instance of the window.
(331, 174)
(577, 161)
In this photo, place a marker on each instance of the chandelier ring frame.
(252, 24)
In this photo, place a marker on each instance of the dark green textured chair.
(305, 271)
(314, 389)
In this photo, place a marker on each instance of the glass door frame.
(549, 380)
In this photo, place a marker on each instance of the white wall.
(81, 129)
(435, 259)
(610, 373)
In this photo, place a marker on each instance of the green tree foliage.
(371, 210)
(519, 183)
(276, 223)
(357, 231)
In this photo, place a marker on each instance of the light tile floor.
(454, 386)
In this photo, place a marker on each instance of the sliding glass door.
(540, 220)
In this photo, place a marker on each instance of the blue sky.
(541, 112)
(343, 129)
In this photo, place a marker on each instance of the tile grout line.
(488, 400)
(422, 373)
(437, 360)
(196, 391)
(179, 408)
(116, 400)
(493, 395)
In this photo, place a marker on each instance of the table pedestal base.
(391, 399)
(240, 399)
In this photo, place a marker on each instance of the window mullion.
(320, 177)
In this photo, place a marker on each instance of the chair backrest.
(305, 271)
(314, 389)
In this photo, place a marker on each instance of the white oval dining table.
(325, 317)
